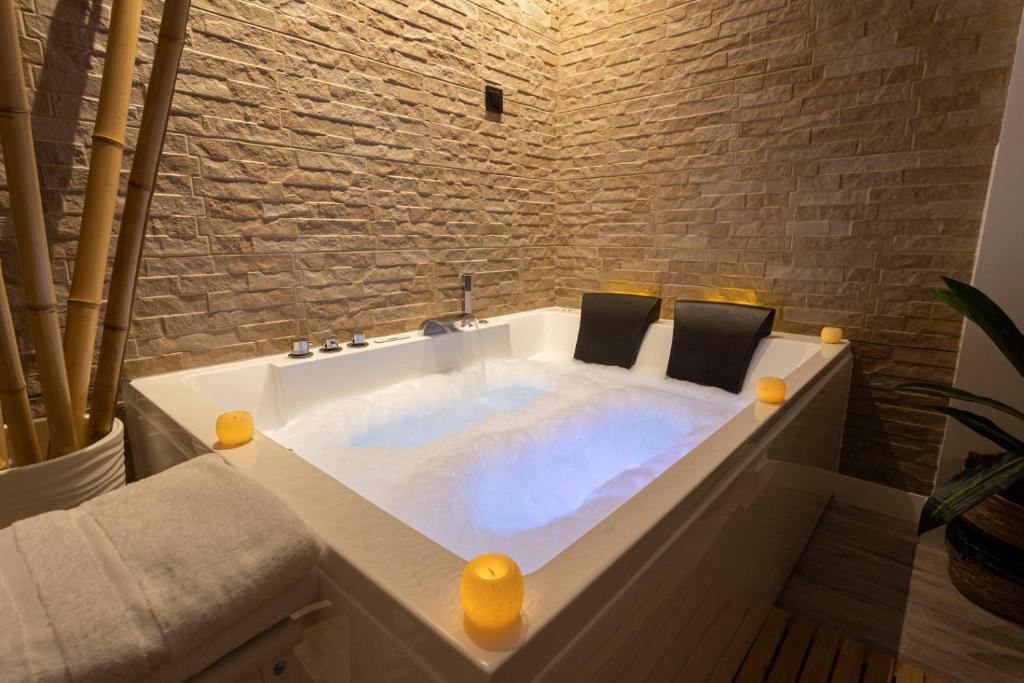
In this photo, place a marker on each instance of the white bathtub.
(404, 477)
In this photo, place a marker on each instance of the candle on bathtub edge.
(831, 335)
(492, 591)
(771, 390)
(235, 428)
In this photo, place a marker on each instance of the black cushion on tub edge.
(713, 342)
(612, 327)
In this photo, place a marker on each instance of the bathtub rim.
(378, 575)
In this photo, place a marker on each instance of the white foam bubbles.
(525, 465)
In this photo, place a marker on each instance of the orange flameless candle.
(492, 591)
(235, 428)
(771, 390)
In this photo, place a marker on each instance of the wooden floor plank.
(792, 649)
(879, 668)
(821, 657)
(849, 663)
(762, 652)
(790, 659)
(905, 673)
(865, 575)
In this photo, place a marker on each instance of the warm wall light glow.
(492, 591)
(771, 390)
(632, 288)
(831, 335)
(235, 428)
(735, 296)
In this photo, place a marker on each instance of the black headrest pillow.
(713, 342)
(612, 327)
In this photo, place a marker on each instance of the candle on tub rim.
(831, 335)
(235, 428)
(492, 590)
(771, 390)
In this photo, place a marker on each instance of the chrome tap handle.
(300, 349)
(358, 340)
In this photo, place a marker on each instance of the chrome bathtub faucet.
(444, 324)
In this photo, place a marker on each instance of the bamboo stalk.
(4, 458)
(100, 201)
(14, 392)
(141, 184)
(30, 233)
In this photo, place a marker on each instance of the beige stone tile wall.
(827, 158)
(330, 167)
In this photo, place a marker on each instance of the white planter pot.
(63, 482)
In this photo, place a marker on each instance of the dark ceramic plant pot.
(986, 554)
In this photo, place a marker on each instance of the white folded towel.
(131, 580)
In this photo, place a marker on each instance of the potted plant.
(983, 506)
(77, 451)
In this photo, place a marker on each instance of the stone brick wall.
(827, 158)
(330, 167)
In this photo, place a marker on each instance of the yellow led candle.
(492, 591)
(771, 390)
(235, 428)
(831, 335)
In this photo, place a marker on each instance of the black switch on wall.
(493, 99)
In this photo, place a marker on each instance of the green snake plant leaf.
(975, 305)
(942, 391)
(986, 428)
(969, 488)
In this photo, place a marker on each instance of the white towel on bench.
(138, 577)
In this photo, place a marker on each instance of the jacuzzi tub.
(410, 456)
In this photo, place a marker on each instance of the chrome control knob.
(358, 340)
(300, 349)
(330, 345)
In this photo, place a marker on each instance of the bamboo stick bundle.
(141, 184)
(100, 202)
(14, 393)
(30, 233)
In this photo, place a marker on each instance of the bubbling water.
(524, 464)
